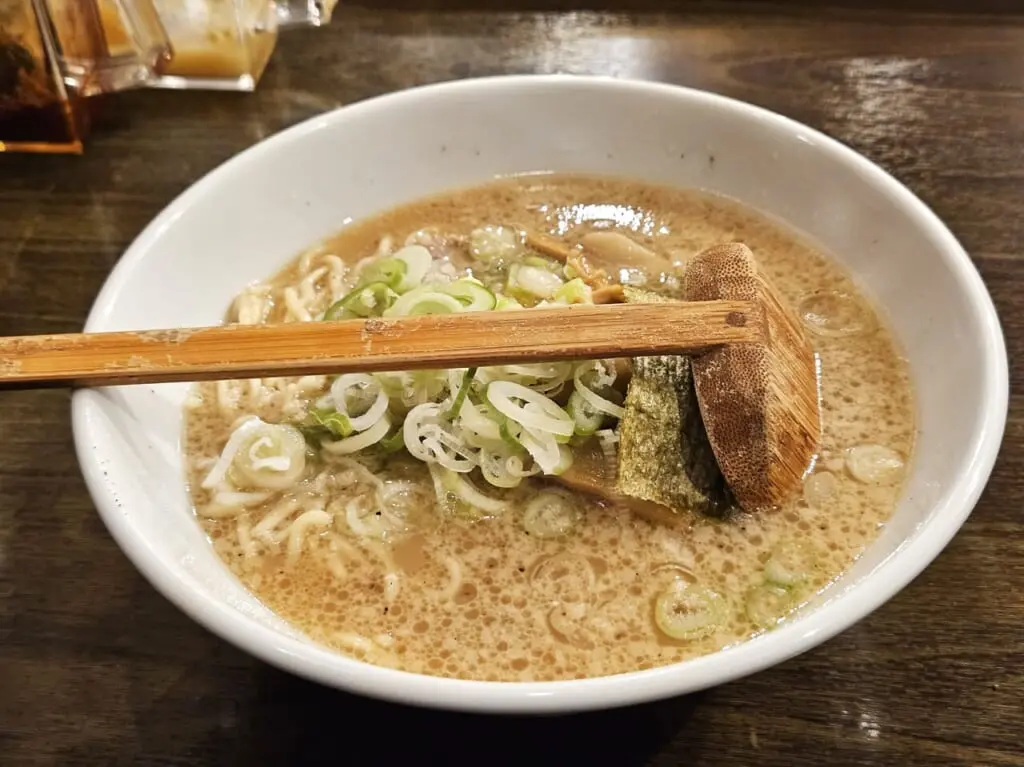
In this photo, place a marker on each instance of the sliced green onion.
(274, 460)
(575, 291)
(314, 435)
(465, 491)
(504, 303)
(448, 502)
(516, 467)
(474, 418)
(502, 420)
(561, 439)
(594, 400)
(392, 383)
(393, 442)
(417, 261)
(532, 280)
(360, 441)
(766, 605)
(463, 392)
(369, 300)
(790, 563)
(421, 416)
(510, 439)
(429, 438)
(543, 263)
(471, 294)
(565, 459)
(537, 411)
(363, 392)
(419, 386)
(547, 378)
(687, 611)
(261, 455)
(391, 271)
(587, 420)
(424, 300)
(447, 449)
(543, 448)
(330, 419)
(597, 374)
(495, 467)
(551, 514)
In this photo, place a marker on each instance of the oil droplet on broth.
(833, 314)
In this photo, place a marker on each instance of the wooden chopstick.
(404, 343)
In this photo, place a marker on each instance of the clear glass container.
(224, 44)
(54, 55)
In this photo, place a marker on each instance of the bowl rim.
(325, 666)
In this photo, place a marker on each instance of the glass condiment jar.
(223, 44)
(54, 55)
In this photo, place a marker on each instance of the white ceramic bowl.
(245, 219)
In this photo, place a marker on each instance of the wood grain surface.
(97, 669)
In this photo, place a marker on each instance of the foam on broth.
(484, 600)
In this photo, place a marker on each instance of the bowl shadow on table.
(306, 731)
(226, 708)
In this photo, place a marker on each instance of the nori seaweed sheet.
(664, 453)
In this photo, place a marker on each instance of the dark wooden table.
(97, 668)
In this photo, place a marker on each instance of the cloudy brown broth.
(484, 599)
